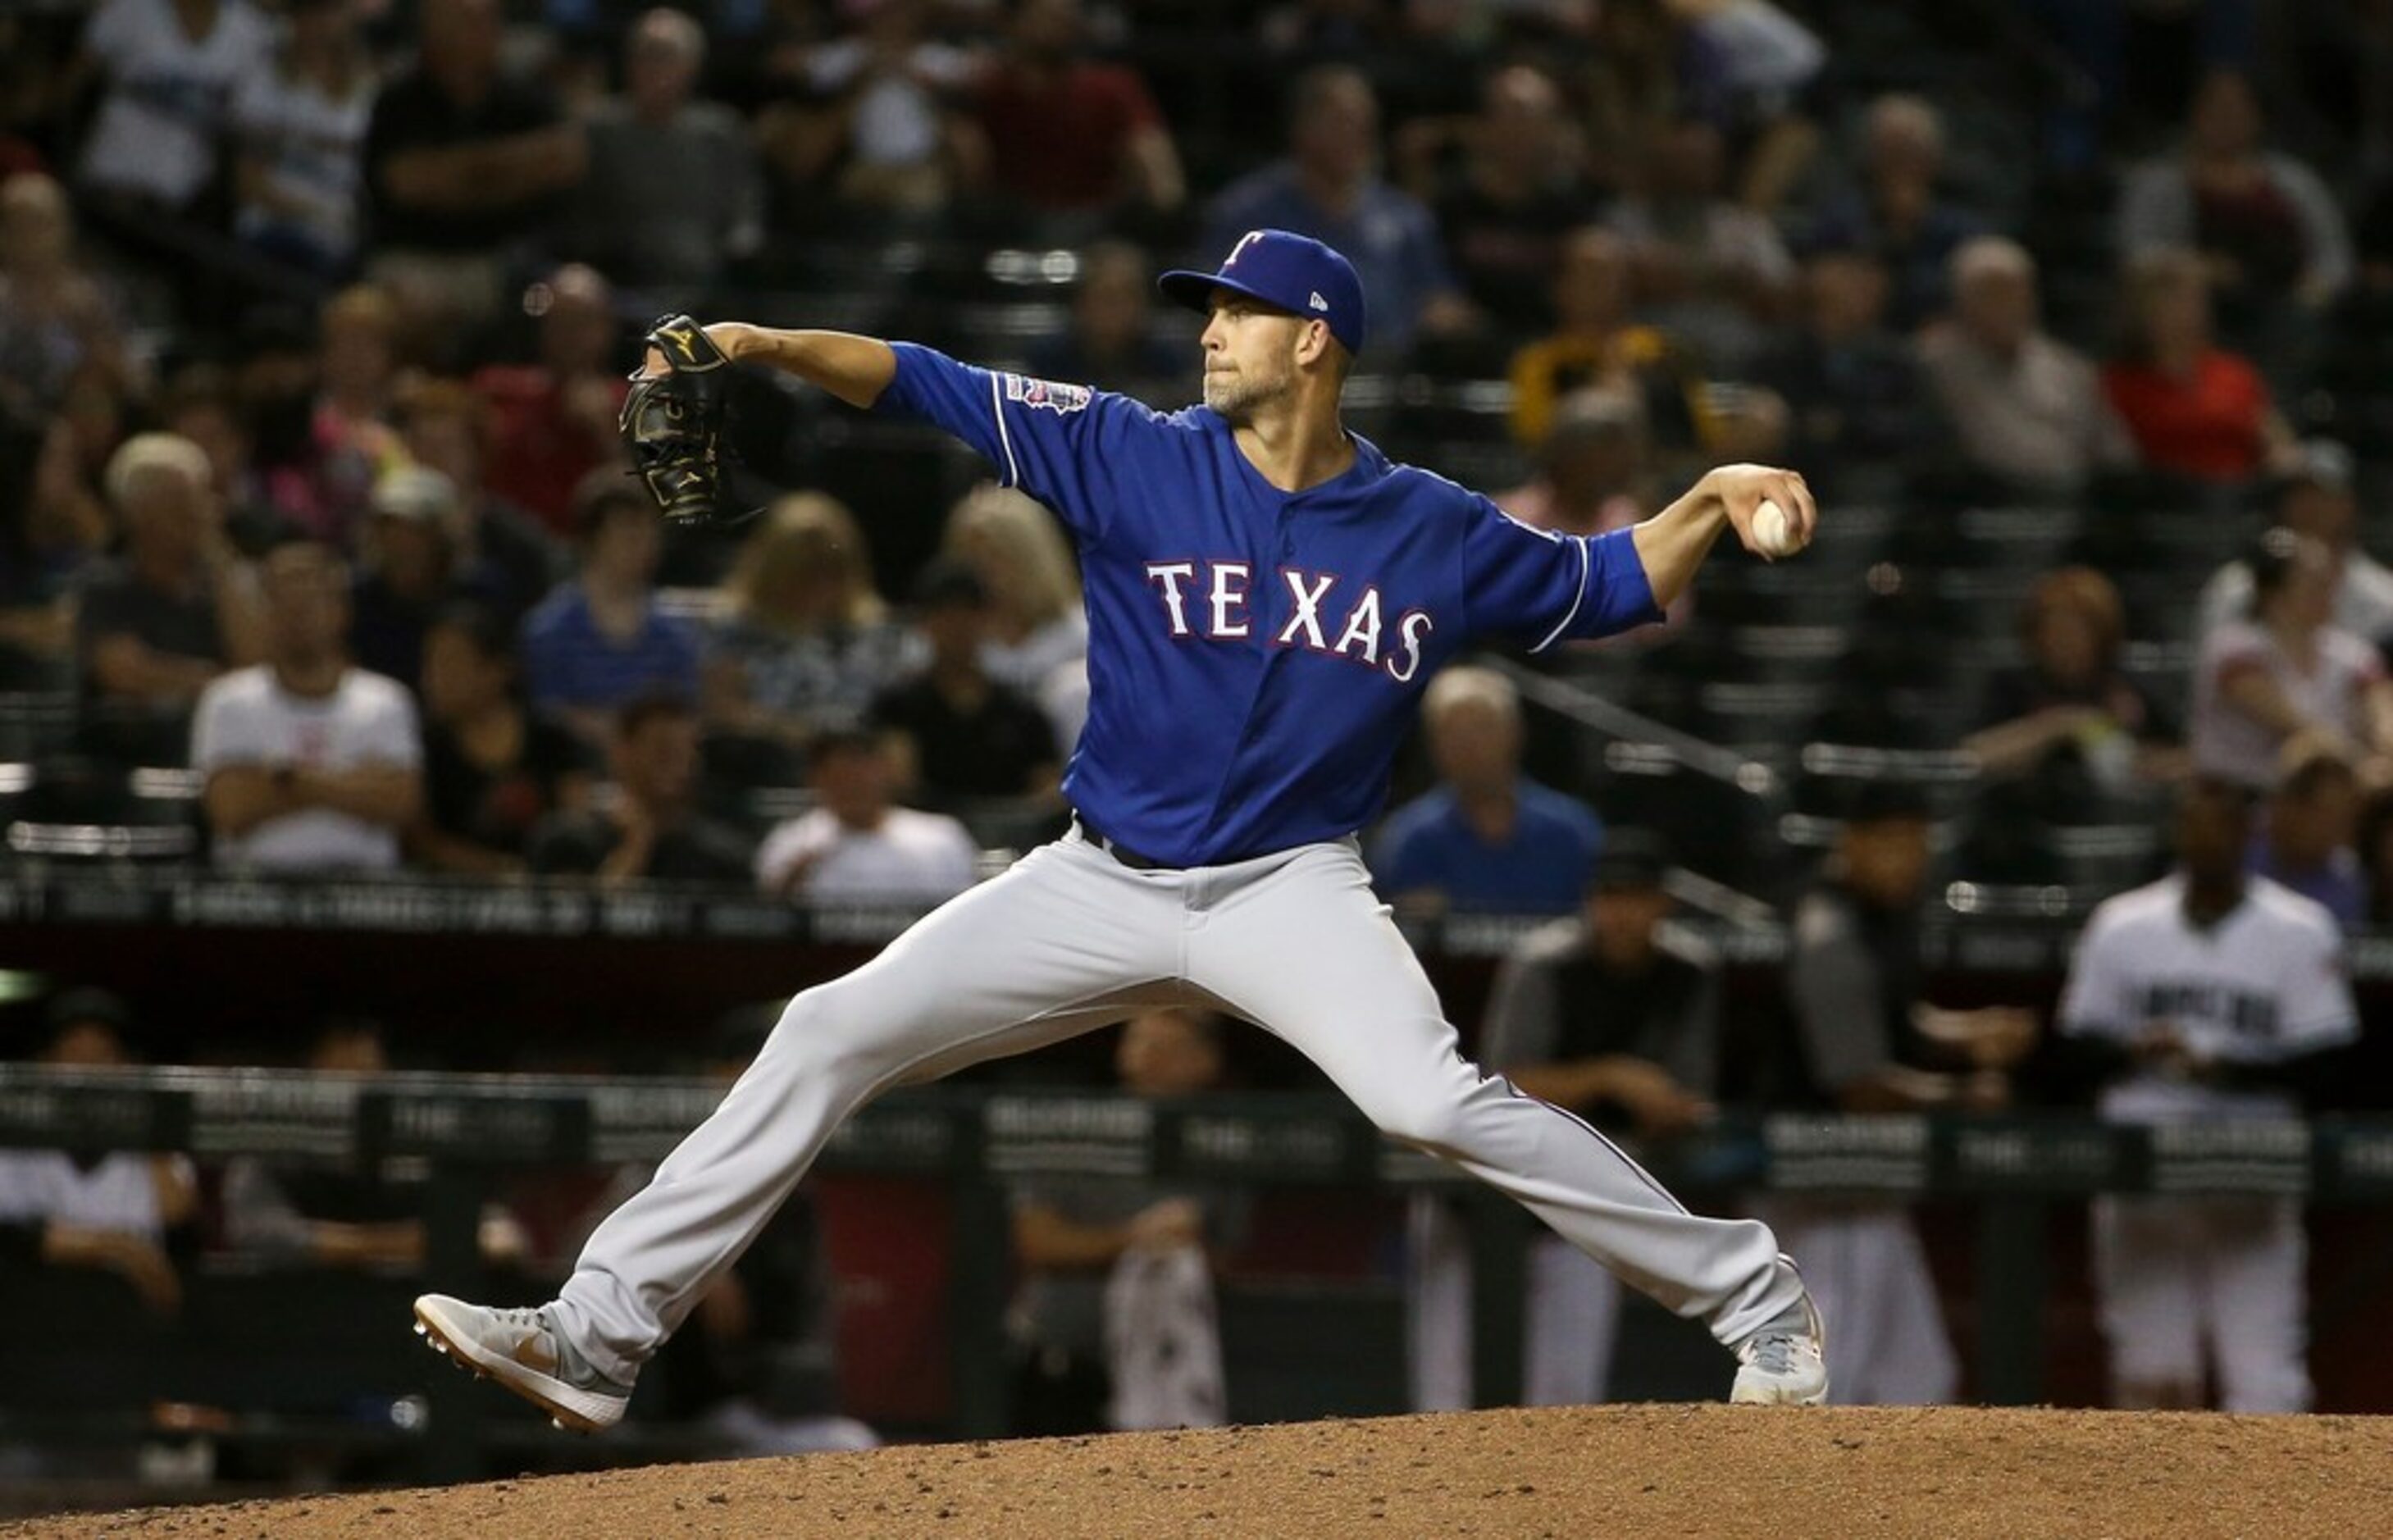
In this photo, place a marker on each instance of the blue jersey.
(1256, 656)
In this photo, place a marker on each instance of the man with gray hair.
(2029, 410)
(1896, 211)
(674, 189)
(156, 626)
(1486, 838)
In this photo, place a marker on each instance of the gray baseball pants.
(1070, 939)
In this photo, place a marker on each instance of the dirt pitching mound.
(1640, 1470)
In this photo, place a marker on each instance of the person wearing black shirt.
(973, 738)
(1855, 398)
(492, 767)
(650, 832)
(462, 162)
(1506, 217)
(1870, 1045)
(1612, 1015)
(155, 628)
(348, 1215)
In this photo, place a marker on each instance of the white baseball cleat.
(1785, 1364)
(523, 1353)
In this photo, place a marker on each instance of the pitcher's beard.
(1234, 396)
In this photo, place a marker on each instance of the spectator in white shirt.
(856, 846)
(302, 130)
(2284, 670)
(311, 765)
(2029, 409)
(118, 1214)
(170, 68)
(2318, 501)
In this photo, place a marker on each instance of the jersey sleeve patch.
(1047, 394)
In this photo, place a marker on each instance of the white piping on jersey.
(996, 409)
(1577, 599)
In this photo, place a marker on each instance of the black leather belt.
(1119, 852)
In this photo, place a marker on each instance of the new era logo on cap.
(1285, 270)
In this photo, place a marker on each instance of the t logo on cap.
(1287, 272)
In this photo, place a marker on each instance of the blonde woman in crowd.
(806, 637)
(1036, 629)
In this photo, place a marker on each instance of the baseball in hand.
(1771, 535)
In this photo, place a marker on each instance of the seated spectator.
(2070, 705)
(1519, 197)
(1593, 476)
(1016, 547)
(673, 191)
(971, 738)
(157, 627)
(2195, 409)
(1596, 343)
(1708, 269)
(274, 373)
(200, 404)
(493, 768)
(299, 127)
(858, 846)
(312, 764)
(1329, 186)
(2316, 501)
(1113, 1321)
(1489, 838)
(552, 423)
(1897, 215)
(464, 161)
(2029, 409)
(887, 129)
(805, 639)
(2284, 668)
(407, 572)
(1854, 396)
(37, 567)
(56, 320)
(1108, 344)
(2268, 229)
(2308, 828)
(123, 1213)
(1760, 60)
(348, 1215)
(1614, 1017)
(167, 72)
(599, 640)
(504, 557)
(351, 444)
(649, 832)
(1066, 134)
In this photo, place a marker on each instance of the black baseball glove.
(676, 425)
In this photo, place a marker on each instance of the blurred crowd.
(314, 322)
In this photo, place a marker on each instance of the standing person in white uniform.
(2207, 995)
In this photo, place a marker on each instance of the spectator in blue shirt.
(1896, 211)
(1489, 838)
(1330, 188)
(599, 641)
(2305, 842)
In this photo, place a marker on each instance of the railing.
(470, 1127)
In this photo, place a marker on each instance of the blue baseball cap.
(1292, 272)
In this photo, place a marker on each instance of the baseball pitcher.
(1267, 597)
